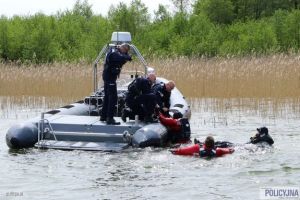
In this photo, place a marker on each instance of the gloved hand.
(129, 58)
(196, 141)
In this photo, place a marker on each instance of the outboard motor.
(150, 135)
(262, 136)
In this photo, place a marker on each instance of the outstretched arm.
(171, 123)
(187, 151)
(223, 151)
(119, 57)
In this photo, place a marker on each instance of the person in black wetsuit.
(114, 61)
(140, 99)
(163, 93)
(262, 136)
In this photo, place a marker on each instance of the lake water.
(156, 173)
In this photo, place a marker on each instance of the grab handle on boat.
(136, 120)
(41, 126)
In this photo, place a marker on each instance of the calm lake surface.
(156, 173)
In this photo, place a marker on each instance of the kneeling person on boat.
(114, 61)
(163, 94)
(140, 99)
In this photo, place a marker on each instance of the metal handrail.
(41, 128)
(103, 50)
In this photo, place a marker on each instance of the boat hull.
(22, 135)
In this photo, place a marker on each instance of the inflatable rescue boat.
(77, 125)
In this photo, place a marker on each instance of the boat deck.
(85, 133)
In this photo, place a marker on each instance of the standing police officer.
(114, 61)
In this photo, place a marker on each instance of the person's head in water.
(209, 142)
(124, 48)
(262, 135)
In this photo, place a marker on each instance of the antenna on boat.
(118, 27)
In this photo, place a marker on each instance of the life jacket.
(202, 152)
(139, 86)
(158, 87)
(217, 152)
(183, 134)
(205, 152)
(179, 130)
(113, 64)
(133, 89)
(185, 128)
(187, 151)
(163, 96)
(111, 70)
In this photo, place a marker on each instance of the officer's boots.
(112, 121)
(102, 119)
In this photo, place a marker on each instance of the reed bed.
(275, 76)
(271, 77)
(63, 80)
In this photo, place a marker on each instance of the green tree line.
(209, 28)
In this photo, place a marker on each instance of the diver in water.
(261, 137)
(219, 148)
(208, 149)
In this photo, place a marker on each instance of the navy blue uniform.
(112, 68)
(140, 98)
(162, 96)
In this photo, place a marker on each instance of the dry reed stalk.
(265, 77)
(275, 76)
(66, 81)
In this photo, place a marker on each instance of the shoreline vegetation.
(197, 28)
(219, 49)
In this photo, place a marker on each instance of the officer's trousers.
(110, 99)
(143, 105)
